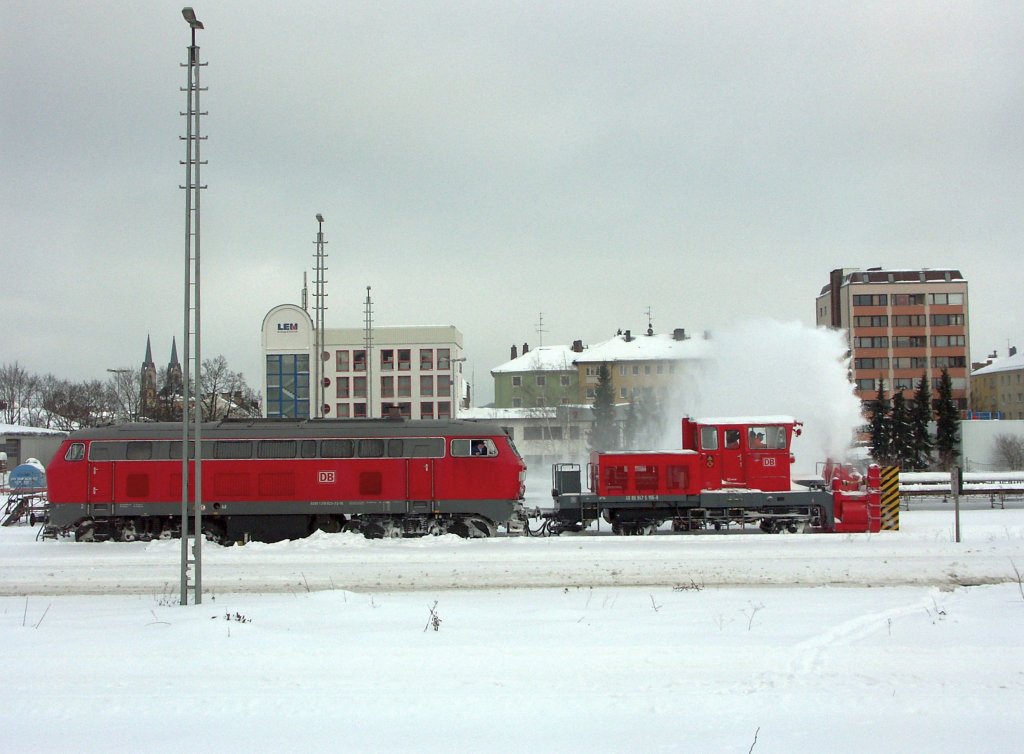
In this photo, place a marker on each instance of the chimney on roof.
(526, 348)
(515, 353)
(1013, 350)
(627, 336)
(577, 346)
(679, 333)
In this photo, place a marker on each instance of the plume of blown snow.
(768, 368)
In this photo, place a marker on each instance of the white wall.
(978, 438)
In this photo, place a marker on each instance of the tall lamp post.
(192, 326)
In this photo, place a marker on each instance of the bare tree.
(225, 393)
(17, 391)
(1009, 452)
(124, 395)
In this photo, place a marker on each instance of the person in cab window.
(756, 440)
(732, 439)
(479, 448)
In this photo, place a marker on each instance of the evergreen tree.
(920, 417)
(947, 431)
(901, 438)
(605, 433)
(881, 431)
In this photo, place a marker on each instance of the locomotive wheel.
(86, 532)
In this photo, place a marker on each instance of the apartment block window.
(444, 410)
(947, 341)
(359, 410)
(911, 341)
(647, 368)
(404, 359)
(342, 390)
(427, 410)
(622, 370)
(358, 387)
(426, 359)
(343, 411)
(427, 384)
(387, 387)
(565, 380)
(941, 362)
(444, 358)
(951, 299)
(946, 320)
(517, 380)
(622, 392)
(636, 369)
(541, 380)
(405, 409)
(444, 384)
(878, 299)
(871, 342)
(908, 299)
(877, 321)
(387, 359)
(871, 363)
(909, 320)
(910, 362)
(866, 384)
(359, 361)
(404, 387)
(341, 361)
(904, 383)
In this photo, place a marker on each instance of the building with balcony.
(900, 325)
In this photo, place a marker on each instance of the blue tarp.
(27, 476)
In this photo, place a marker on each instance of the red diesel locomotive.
(271, 479)
(730, 471)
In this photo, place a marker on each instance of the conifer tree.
(901, 438)
(920, 417)
(881, 431)
(947, 421)
(605, 433)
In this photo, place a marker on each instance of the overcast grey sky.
(480, 163)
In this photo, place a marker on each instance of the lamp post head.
(190, 17)
(319, 217)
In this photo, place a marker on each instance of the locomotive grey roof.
(291, 428)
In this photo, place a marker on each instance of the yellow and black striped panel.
(890, 498)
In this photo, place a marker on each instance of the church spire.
(174, 352)
(149, 354)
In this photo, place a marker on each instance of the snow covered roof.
(497, 414)
(1005, 364)
(19, 429)
(657, 347)
(541, 359)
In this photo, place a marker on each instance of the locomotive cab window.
(481, 448)
(76, 452)
(139, 450)
(709, 438)
(732, 439)
(770, 438)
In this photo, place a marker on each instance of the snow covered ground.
(800, 643)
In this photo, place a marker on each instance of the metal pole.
(954, 484)
(192, 326)
(197, 548)
(187, 335)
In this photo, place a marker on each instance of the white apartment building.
(416, 369)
